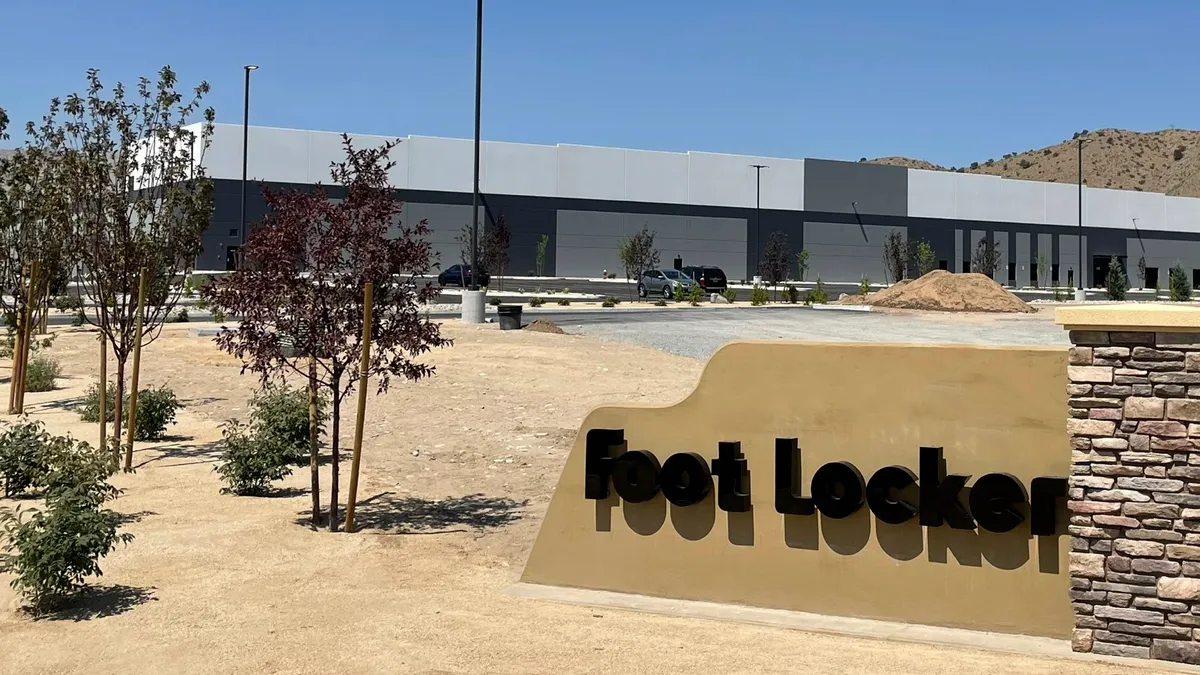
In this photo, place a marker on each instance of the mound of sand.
(543, 326)
(943, 291)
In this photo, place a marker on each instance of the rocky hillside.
(1165, 161)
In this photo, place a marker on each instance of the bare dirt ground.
(457, 473)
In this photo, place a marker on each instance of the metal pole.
(758, 216)
(475, 190)
(1081, 267)
(245, 155)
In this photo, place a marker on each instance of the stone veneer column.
(1134, 425)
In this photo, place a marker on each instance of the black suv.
(453, 276)
(711, 279)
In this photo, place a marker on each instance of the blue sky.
(951, 81)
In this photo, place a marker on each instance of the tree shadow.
(204, 453)
(135, 517)
(389, 513)
(58, 405)
(97, 603)
(200, 400)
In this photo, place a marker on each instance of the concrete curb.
(1023, 645)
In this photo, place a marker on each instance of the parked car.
(663, 282)
(453, 276)
(711, 279)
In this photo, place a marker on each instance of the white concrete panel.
(931, 194)
(278, 155)
(730, 180)
(782, 183)
(1150, 209)
(656, 177)
(1020, 201)
(1105, 208)
(1181, 214)
(586, 172)
(977, 197)
(520, 169)
(223, 158)
(442, 164)
(1062, 204)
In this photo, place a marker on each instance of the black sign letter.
(787, 479)
(599, 461)
(685, 479)
(635, 476)
(883, 494)
(995, 499)
(837, 489)
(1046, 491)
(939, 493)
(730, 467)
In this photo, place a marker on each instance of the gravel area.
(699, 334)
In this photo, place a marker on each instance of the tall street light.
(1080, 294)
(757, 216)
(245, 155)
(475, 189)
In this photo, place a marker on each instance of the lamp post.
(245, 156)
(475, 189)
(1080, 294)
(757, 216)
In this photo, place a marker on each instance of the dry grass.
(458, 470)
(1115, 158)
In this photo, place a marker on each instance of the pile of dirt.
(943, 291)
(544, 326)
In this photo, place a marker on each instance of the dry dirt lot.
(457, 473)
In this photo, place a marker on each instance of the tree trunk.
(118, 407)
(314, 443)
(333, 470)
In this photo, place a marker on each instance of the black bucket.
(509, 317)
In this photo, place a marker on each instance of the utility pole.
(1080, 294)
(475, 191)
(758, 216)
(245, 158)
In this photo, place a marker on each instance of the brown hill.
(1166, 161)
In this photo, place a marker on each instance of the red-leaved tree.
(299, 292)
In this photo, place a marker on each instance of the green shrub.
(201, 304)
(281, 412)
(54, 550)
(155, 410)
(67, 303)
(818, 295)
(218, 315)
(564, 301)
(535, 301)
(613, 299)
(494, 302)
(181, 316)
(730, 295)
(609, 303)
(42, 372)
(566, 289)
(252, 461)
(78, 318)
(758, 296)
(792, 294)
(657, 303)
(1180, 288)
(678, 295)
(864, 286)
(22, 457)
(695, 294)
(1115, 283)
(188, 290)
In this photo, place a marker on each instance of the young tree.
(802, 263)
(132, 173)
(926, 258)
(895, 256)
(1115, 283)
(1180, 288)
(987, 258)
(1043, 271)
(776, 260)
(464, 241)
(540, 260)
(1141, 272)
(307, 265)
(637, 254)
(494, 249)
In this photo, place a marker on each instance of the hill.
(1166, 161)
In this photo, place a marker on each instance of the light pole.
(475, 189)
(758, 216)
(1080, 294)
(245, 156)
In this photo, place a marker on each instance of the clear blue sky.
(951, 81)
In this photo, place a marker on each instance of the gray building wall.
(846, 251)
(586, 241)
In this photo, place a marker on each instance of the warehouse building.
(717, 209)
